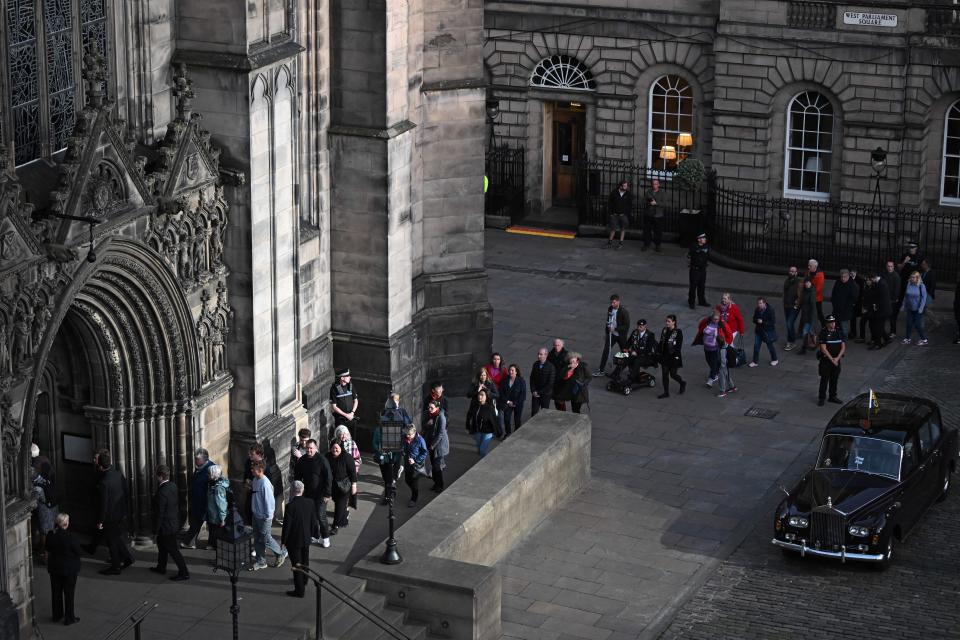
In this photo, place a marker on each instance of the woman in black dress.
(344, 484)
(671, 342)
(63, 565)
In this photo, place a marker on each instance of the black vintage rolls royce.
(881, 464)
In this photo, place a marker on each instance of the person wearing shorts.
(618, 208)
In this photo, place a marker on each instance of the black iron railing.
(131, 622)
(597, 179)
(776, 232)
(322, 584)
(505, 171)
(943, 19)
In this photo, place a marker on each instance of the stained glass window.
(41, 39)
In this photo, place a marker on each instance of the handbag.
(421, 469)
(739, 355)
(344, 485)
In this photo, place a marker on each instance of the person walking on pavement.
(765, 332)
(731, 315)
(727, 353)
(653, 220)
(575, 383)
(496, 372)
(808, 311)
(482, 421)
(414, 454)
(63, 564)
(513, 395)
(343, 400)
(791, 305)
(263, 505)
(543, 375)
(482, 383)
(558, 358)
(895, 287)
(671, 359)
(712, 334)
(298, 449)
(877, 306)
(314, 472)
(915, 300)
(831, 346)
(299, 528)
(217, 487)
(617, 331)
(436, 393)
(112, 494)
(438, 442)
(344, 485)
(619, 208)
(697, 263)
(198, 498)
(167, 517)
(929, 279)
(843, 298)
(858, 323)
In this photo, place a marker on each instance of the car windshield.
(856, 453)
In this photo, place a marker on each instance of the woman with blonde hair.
(63, 565)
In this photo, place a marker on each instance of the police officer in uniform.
(697, 261)
(831, 349)
(343, 400)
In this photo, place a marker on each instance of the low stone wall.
(448, 579)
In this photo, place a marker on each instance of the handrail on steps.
(322, 583)
(133, 620)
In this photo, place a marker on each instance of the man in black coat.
(619, 207)
(877, 307)
(617, 331)
(299, 528)
(314, 472)
(843, 299)
(558, 358)
(543, 376)
(112, 500)
(643, 349)
(167, 516)
(697, 262)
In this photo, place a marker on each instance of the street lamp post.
(234, 546)
(391, 443)
(878, 160)
(493, 112)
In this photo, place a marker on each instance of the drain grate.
(760, 412)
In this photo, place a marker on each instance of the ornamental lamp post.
(234, 549)
(878, 160)
(391, 444)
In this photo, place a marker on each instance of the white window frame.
(564, 72)
(656, 171)
(945, 200)
(800, 194)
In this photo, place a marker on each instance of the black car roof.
(895, 416)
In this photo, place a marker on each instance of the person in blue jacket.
(198, 498)
(414, 455)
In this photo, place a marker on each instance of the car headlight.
(860, 532)
(798, 522)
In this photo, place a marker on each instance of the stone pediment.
(193, 166)
(18, 245)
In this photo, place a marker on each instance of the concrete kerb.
(448, 579)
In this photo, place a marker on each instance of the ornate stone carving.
(10, 432)
(105, 190)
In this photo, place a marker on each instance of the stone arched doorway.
(117, 369)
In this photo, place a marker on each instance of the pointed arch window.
(562, 72)
(671, 113)
(44, 40)
(809, 151)
(950, 165)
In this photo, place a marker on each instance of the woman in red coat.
(816, 276)
(495, 370)
(730, 315)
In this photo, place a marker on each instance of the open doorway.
(564, 136)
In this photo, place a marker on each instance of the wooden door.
(568, 144)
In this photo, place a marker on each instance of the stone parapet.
(448, 578)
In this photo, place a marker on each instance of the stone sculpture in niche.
(5, 361)
(40, 321)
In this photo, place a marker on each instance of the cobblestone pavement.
(758, 593)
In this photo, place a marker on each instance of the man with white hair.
(299, 527)
(817, 278)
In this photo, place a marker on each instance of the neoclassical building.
(781, 98)
(205, 207)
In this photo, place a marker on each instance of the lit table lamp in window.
(668, 153)
(684, 141)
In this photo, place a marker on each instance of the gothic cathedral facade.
(207, 206)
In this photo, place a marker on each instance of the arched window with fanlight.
(671, 113)
(950, 166)
(45, 41)
(562, 72)
(809, 149)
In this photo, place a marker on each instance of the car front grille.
(827, 529)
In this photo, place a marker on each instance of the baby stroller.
(621, 379)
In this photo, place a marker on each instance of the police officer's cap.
(702, 236)
(641, 321)
(830, 319)
(342, 373)
(912, 245)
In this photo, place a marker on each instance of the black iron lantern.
(391, 445)
(878, 160)
(234, 551)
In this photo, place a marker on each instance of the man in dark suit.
(112, 494)
(314, 472)
(299, 528)
(167, 515)
(543, 375)
(63, 565)
(618, 331)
